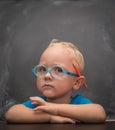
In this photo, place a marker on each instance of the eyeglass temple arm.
(79, 74)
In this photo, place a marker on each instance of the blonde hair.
(77, 55)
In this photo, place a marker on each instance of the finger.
(42, 108)
(38, 100)
(59, 119)
(68, 120)
(34, 103)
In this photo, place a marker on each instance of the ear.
(79, 82)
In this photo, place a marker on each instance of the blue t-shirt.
(77, 99)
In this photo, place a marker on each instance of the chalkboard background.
(27, 27)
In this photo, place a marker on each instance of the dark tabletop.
(102, 126)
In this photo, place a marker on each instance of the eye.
(58, 69)
(41, 69)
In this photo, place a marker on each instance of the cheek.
(38, 83)
(67, 82)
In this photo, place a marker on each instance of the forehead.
(56, 54)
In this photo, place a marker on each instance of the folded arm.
(55, 113)
(83, 113)
(22, 114)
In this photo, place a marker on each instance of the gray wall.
(26, 28)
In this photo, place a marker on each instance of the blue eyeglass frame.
(49, 71)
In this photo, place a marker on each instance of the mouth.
(47, 86)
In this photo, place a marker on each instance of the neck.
(60, 100)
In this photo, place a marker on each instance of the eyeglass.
(55, 71)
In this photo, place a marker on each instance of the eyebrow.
(79, 74)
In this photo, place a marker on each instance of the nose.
(48, 76)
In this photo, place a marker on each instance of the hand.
(60, 119)
(51, 108)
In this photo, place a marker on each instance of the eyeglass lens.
(55, 71)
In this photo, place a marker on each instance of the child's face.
(61, 87)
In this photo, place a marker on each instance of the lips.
(47, 86)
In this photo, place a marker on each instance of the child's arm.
(83, 113)
(21, 114)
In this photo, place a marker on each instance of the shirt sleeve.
(80, 99)
(29, 104)
(8, 104)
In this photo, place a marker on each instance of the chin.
(48, 95)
